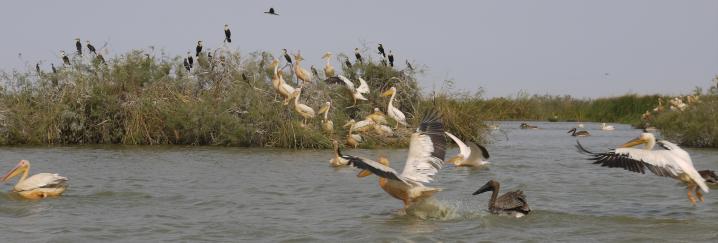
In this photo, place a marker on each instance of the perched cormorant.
(391, 59)
(271, 11)
(199, 48)
(54, 70)
(37, 68)
(101, 58)
(358, 56)
(381, 50)
(314, 71)
(190, 60)
(65, 59)
(186, 65)
(348, 63)
(91, 48)
(408, 65)
(209, 55)
(227, 34)
(286, 56)
(78, 45)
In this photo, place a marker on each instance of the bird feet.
(691, 198)
(700, 195)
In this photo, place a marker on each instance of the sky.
(575, 47)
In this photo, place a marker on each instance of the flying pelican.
(198, 49)
(358, 55)
(327, 125)
(425, 158)
(286, 56)
(302, 74)
(607, 128)
(38, 186)
(511, 203)
(672, 162)
(582, 133)
(227, 34)
(284, 89)
(391, 59)
(473, 155)
(337, 160)
(303, 110)
(394, 112)
(356, 92)
(65, 59)
(78, 46)
(381, 50)
(328, 68)
(271, 12)
(91, 47)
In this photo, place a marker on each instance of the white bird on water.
(473, 155)
(37, 186)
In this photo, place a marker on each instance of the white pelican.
(360, 126)
(425, 158)
(383, 130)
(607, 128)
(38, 186)
(582, 133)
(378, 117)
(304, 110)
(328, 68)
(356, 92)
(511, 203)
(659, 107)
(327, 125)
(394, 112)
(672, 162)
(302, 74)
(284, 89)
(337, 160)
(473, 155)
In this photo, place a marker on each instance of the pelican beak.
(12, 173)
(483, 189)
(388, 93)
(364, 173)
(633, 142)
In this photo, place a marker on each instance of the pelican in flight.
(394, 112)
(672, 162)
(328, 68)
(357, 93)
(284, 89)
(302, 74)
(607, 128)
(337, 160)
(582, 133)
(327, 125)
(511, 203)
(38, 186)
(473, 155)
(425, 158)
(303, 110)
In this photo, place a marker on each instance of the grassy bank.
(143, 99)
(697, 125)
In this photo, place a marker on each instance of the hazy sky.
(582, 48)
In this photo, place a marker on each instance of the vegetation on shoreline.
(697, 125)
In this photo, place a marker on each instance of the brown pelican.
(358, 55)
(328, 68)
(78, 46)
(381, 50)
(582, 133)
(198, 49)
(91, 47)
(38, 186)
(394, 112)
(337, 160)
(304, 110)
(672, 162)
(512, 203)
(473, 155)
(227, 34)
(425, 158)
(271, 12)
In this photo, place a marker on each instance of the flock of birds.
(427, 147)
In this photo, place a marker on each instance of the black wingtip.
(484, 151)
(581, 149)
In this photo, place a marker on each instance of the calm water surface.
(120, 193)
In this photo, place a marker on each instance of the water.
(175, 193)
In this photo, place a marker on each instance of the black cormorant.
(78, 45)
(190, 60)
(348, 63)
(391, 59)
(314, 71)
(286, 56)
(186, 65)
(65, 59)
(381, 50)
(54, 70)
(358, 56)
(227, 34)
(101, 59)
(199, 48)
(271, 11)
(91, 47)
(408, 65)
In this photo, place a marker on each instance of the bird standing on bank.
(78, 46)
(91, 47)
(391, 59)
(227, 34)
(198, 49)
(65, 59)
(358, 55)
(381, 50)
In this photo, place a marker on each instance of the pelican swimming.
(328, 68)
(284, 89)
(607, 128)
(425, 158)
(672, 162)
(302, 74)
(582, 133)
(394, 112)
(38, 186)
(357, 93)
(512, 203)
(304, 110)
(327, 125)
(473, 155)
(337, 160)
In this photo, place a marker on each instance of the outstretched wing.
(363, 86)
(374, 167)
(478, 152)
(631, 159)
(427, 149)
(464, 150)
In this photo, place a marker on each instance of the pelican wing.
(397, 115)
(512, 200)
(464, 150)
(478, 152)
(373, 166)
(41, 180)
(427, 149)
(363, 86)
